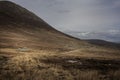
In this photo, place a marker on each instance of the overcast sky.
(77, 15)
(86, 19)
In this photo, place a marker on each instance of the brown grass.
(30, 66)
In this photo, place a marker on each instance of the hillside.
(31, 49)
(24, 29)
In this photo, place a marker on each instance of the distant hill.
(105, 35)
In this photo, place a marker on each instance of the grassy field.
(56, 65)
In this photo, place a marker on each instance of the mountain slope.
(21, 28)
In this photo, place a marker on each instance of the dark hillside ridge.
(11, 12)
(22, 28)
(104, 43)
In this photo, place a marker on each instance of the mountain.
(31, 49)
(22, 28)
(111, 36)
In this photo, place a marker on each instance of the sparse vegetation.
(47, 65)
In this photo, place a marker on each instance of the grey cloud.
(77, 15)
(110, 35)
(82, 13)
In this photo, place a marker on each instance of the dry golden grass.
(28, 65)
(95, 53)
